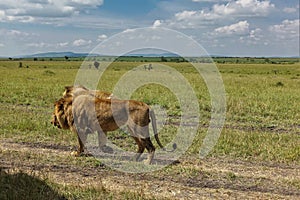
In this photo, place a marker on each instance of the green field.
(257, 155)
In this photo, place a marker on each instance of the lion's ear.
(67, 90)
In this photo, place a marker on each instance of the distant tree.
(96, 64)
(9, 58)
(163, 59)
(20, 64)
(267, 60)
(66, 57)
(35, 59)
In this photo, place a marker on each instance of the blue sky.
(222, 27)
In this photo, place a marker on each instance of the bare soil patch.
(192, 178)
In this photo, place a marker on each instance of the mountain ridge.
(71, 54)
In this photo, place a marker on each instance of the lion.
(87, 114)
(77, 90)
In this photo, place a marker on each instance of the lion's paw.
(75, 153)
(106, 149)
(147, 162)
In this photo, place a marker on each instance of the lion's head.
(62, 111)
(54, 121)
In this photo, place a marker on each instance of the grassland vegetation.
(261, 135)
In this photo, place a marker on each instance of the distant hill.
(132, 54)
(72, 54)
(58, 55)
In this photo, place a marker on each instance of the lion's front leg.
(82, 140)
(81, 137)
(80, 148)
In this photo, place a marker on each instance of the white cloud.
(240, 28)
(254, 37)
(29, 10)
(39, 45)
(129, 30)
(244, 8)
(231, 10)
(241, 32)
(2, 15)
(2, 45)
(62, 44)
(157, 23)
(185, 15)
(288, 29)
(81, 42)
(101, 37)
(189, 19)
(87, 2)
(18, 35)
(7, 18)
(209, 0)
(256, 34)
(44, 45)
(196, 17)
(290, 10)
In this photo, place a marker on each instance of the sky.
(258, 28)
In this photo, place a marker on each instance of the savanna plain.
(257, 155)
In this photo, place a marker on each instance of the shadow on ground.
(23, 186)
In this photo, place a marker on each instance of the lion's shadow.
(129, 157)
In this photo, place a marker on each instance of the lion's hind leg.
(139, 142)
(141, 148)
(102, 140)
(150, 148)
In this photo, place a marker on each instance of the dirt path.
(211, 178)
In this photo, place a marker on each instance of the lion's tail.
(153, 122)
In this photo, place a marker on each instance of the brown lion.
(87, 114)
(76, 90)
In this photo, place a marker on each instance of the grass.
(21, 185)
(261, 93)
(255, 101)
(16, 185)
(262, 119)
(259, 145)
